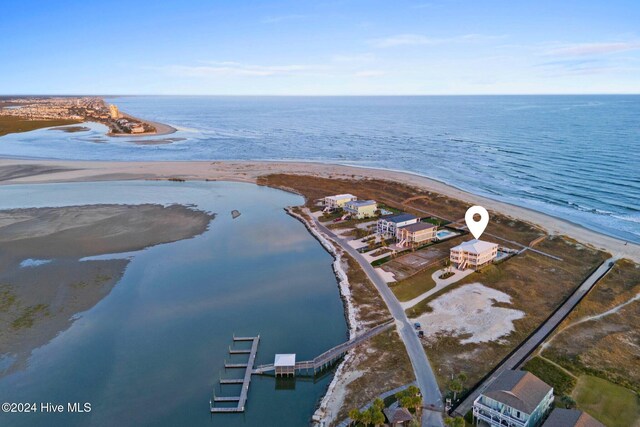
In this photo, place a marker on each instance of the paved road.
(521, 354)
(425, 377)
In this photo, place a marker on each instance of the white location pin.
(476, 227)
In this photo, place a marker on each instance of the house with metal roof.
(361, 208)
(473, 254)
(387, 226)
(514, 399)
(561, 417)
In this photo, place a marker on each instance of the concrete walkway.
(425, 378)
(440, 285)
(520, 355)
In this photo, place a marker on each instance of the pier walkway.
(317, 364)
(331, 355)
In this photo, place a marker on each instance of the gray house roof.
(571, 418)
(400, 217)
(418, 226)
(520, 390)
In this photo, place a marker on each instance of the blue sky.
(320, 47)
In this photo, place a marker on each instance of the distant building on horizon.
(113, 112)
(473, 254)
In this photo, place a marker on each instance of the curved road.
(425, 377)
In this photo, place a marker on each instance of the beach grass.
(13, 124)
(562, 382)
(611, 404)
(415, 285)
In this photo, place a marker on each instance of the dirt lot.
(536, 285)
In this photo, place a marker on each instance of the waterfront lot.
(534, 284)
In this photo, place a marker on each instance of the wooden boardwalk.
(331, 355)
(245, 380)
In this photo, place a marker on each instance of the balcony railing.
(495, 417)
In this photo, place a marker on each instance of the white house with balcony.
(514, 399)
(388, 226)
(473, 254)
(338, 201)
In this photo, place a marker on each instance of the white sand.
(440, 285)
(470, 310)
(249, 171)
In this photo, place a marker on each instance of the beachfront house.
(561, 417)
(387, 226)
(416, 234)
(338, 201)
(473, 254)
(361, 208)
(514, 399)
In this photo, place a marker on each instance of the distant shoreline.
(161, 128)
(12, 171)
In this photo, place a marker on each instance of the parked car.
(417, 325)
(421, 334)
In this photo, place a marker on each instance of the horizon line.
(325, 95)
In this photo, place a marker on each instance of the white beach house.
(514, 399)
(473, 254)
(387, 226)
(361, 208)
(337, 201)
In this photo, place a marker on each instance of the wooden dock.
(318, 364)
(245, 381)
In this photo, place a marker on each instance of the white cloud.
(587, 49)
(370, 73)
(421, 40)
(239, 69)
(358, 57)
(281, 18)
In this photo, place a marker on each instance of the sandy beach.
(16, 171)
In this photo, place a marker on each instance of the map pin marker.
(476, 227)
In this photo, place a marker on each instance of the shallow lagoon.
(151, 352)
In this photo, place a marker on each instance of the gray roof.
(397, 415)
(520, 390)
(571, 418)
(401, 217)
(418, 226)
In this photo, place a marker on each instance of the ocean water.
(151, 352)
(574, 157)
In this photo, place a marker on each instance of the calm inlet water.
(150, 353)
(575, 157)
